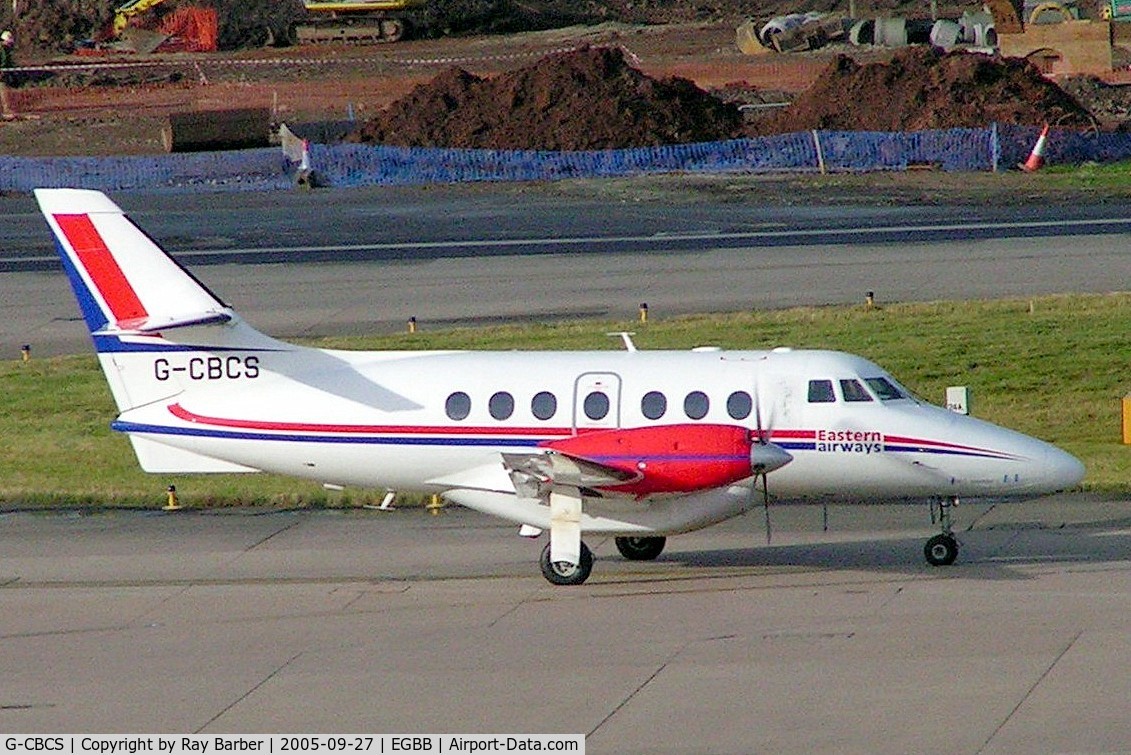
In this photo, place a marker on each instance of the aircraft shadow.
(998, 553)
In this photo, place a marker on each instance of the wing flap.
(534, 474)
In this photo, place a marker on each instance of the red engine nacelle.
(671, 458)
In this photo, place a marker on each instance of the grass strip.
(1055, 367)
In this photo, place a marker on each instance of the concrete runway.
(355, 298)
(366, 622)
(364, 262)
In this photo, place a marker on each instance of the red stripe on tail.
(103, 269)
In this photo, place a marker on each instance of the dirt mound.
(587, 99)
(1109, 104)
(922, 88)
(59, 24)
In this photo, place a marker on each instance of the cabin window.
(739, 405)
(596, 405)
(501, 405)
(458, 405)
(654, 405)
(544, 405)
(885, 389)
(853, 391)
(821, 392)
(696, 405)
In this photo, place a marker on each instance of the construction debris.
(216, 130)
(1057, 42)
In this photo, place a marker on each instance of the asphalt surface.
(841, 641)
(365, 622)
(341, 262)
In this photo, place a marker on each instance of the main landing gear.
(565, 573)
(641, 548)
(942, 549)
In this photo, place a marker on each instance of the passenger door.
(596, 401)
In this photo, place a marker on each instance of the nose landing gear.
(563, 572)
(942, 549)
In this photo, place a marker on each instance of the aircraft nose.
(1062, 470)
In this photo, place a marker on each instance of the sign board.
(958, 399)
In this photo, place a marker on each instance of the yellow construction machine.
(123, 13)
(360, 21)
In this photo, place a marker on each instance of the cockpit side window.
(821, 392)
(885, 389)
(853, 391)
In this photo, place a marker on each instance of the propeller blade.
(765, 457)
(766, 506)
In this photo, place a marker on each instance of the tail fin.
(159, 332)
(124, 282)
(135, 298)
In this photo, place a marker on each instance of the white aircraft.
(633, 444)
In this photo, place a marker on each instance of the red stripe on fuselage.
(100, 265)
(314, 427)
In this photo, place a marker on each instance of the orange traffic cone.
(1037, 156)
(304, 164)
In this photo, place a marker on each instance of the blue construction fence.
(352, 165)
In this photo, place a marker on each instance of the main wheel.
(562, 573)
(641, 548)
(941, 550)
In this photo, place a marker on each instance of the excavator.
(360, 21)
(123, 13)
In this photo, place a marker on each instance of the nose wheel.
(942, 549)
(563, 572)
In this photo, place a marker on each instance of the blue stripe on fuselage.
(135, 427)
(456, 441)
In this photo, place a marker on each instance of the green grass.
(1054, 367)
(1114, 178)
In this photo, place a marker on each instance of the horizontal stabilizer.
(157, 324)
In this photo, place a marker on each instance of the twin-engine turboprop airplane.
(634, 444)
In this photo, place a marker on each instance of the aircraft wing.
(641, 461)
(534, 474)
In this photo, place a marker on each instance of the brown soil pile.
(587, 99)
(58, 24)
(922, 88)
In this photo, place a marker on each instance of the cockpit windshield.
(885, 389)
(854, 390)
